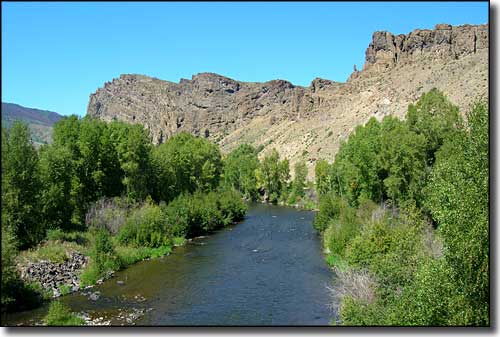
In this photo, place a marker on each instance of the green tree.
(10, 279)
(299, 181)
(21, 187)
(357, 172)
(274, 175)
(135, 159)
(457, 197)
(185, 163)
(402, 158)
(323, 177)
(434, 117)
(56, 168)
(239, 170)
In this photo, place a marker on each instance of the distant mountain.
(39, 121)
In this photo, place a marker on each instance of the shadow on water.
(267, 270)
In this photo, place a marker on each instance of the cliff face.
(208, 105)
(306, 123)
(445, 41)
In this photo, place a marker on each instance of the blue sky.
(54, 55)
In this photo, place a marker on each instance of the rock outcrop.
(208, 105)
(306, 123)
(53, 276)
(445, 41)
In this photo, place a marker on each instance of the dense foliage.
(186, 163)
(273, 175)
(422, 256)
(240, 170)
(128, 198)
(21, 186)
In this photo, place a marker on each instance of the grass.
(37, 288)
(52, 251)
(59, 315)
(336, 261)
(56, 248)
(89, 276)
(179, 241)
(64, 289)
(129, 255)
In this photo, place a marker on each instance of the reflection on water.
(267, 270)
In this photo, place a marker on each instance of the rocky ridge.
(306, 123)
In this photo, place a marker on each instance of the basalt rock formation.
(306, 123)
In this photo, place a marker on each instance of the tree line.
(107, 184)
(404, 217)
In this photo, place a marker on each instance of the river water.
(266, 270)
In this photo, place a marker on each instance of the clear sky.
(54, 55)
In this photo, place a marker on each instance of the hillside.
(39, 121)
(306, 122)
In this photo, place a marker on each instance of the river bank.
(267, 270)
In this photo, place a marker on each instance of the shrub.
(16, 295)
(177, 215)
(201, 213)
(239, 170)
(357, 284)
(430, 299)
(341, 231)
(231, 206)
(64, 289)
(89, 275)
(55, 235)
(205, 214)
(59, 315)
(103, 259)
(330, 207)
(108, 213)
(146, 226)
(391, 248)
(457, 197)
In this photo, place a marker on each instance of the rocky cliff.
(306, 122)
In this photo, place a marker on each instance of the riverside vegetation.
(403, 208)
(104, 191)
(404, 217)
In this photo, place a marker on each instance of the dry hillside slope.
(306, 122)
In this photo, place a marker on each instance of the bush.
(177, 215)
(52, 252)
(103, 259)
(430, 299)
(90, 275)
(16, 295)
(146, 226)
(352, 292)
(391, 248)
(231, 206)
(201, 213)
(330, 207)
(457, 197)
(55, 235)
(108, 213)
(59, 315)
(64, 289)
(341, 231)
(239, 170)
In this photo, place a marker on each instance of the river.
(266, 270)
